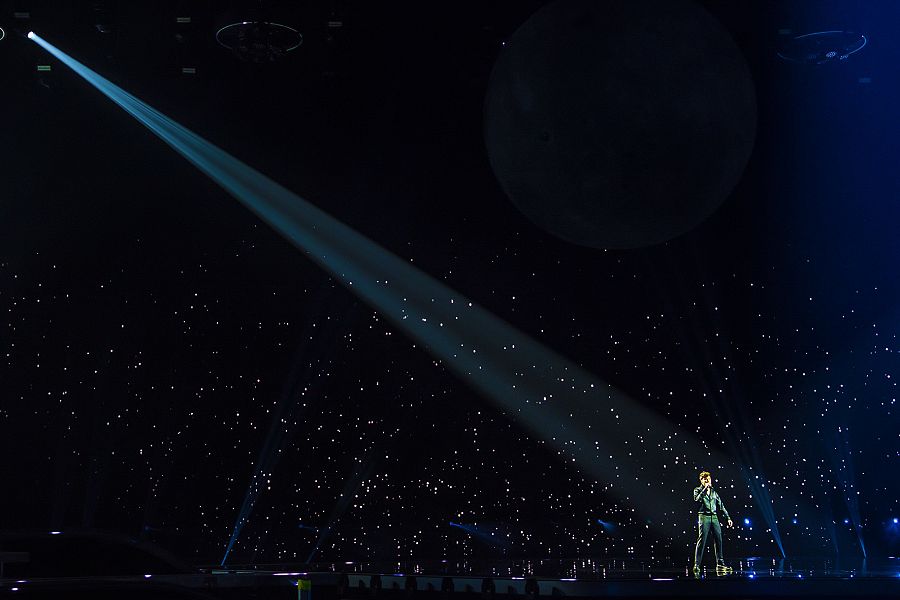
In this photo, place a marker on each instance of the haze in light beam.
(592, 425)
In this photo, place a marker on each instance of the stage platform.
(527, 580)
(752, 577)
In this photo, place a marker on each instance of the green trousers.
(705, 525)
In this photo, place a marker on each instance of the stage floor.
(753, 577)
(630, 568)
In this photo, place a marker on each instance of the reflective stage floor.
(752, 577)
(442, 580)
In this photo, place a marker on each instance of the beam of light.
(587, 422)
(364, 466)
(607, 525)
(761, 495)
(362, 470)
(842, 460)
(491, 534)
(830, 523)
(738, 437)
(287, 414)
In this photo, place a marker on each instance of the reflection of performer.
(709, 503)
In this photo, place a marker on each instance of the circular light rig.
(2, 33)
(259, 41)
(821, 47)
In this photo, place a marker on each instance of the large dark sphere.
(619, 123)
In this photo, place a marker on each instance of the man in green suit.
(709, 504)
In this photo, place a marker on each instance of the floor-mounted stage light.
(375, 583)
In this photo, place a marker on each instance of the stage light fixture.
(822, 47)
(532, 589)
(343, 585)
(375, 583)
(259, 41)
(104, 13)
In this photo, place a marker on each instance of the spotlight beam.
(739, 439)
(586, 421)
(287, 412)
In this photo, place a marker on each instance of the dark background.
(159, 342)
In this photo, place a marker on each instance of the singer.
(709, 503)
